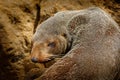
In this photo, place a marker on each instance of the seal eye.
(64, 35)
(52, 44)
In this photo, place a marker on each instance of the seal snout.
(35, 60)
(41, 59)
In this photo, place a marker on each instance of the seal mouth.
(53, 57)
(52, 60)
(47, 60)
(56, 56)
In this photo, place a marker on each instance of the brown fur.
(95, 53)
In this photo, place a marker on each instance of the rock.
(48, 9)
(16, 29)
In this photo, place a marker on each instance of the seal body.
(95, 49)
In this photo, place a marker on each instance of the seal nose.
(35, 60)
